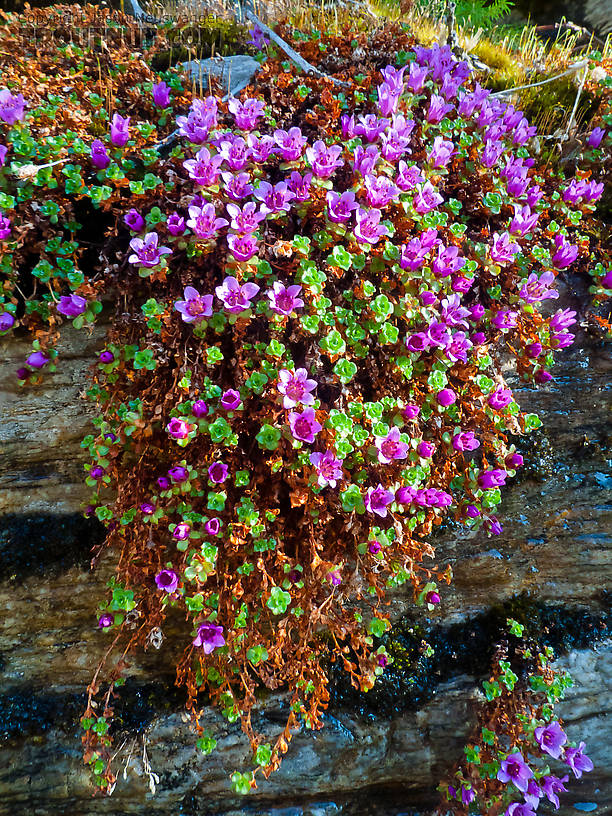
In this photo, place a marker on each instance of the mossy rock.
(201, 39)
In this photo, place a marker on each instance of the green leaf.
(268, 437)
(279, 601)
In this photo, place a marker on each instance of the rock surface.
(556, 545)
(233, 72)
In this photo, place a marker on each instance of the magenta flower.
(257, 38)
(578, 761)
(245, 219)
(97, 472)
(388, 99)
(514, 769)
(324, 160)
(212, 527)
(119, 131)
(236, 298)
(230, 399)
(370, 127)
(334, 577)
(503, 249)
(369, 228)
(202, 117)
(284, 299)
(417, 76)
(274, 199)
(304, 426)
(105, 620)
(71, 305)
(500, 398)
(433, 597)
(296, 387)
(458, 347)
(465, 441)
(204, 222)
(365, 159)
(37, 359)
(411, 411)
(218, 472)
(562, 319)
(99, 157)
(504, 319)
(167, 580)
(204, 169)
(340, 207)
(243, 247)
(182, 531)
(163, 483)
(179, 428)
(426, 449)
(209, 637)
(380, 190)
(446, 397)
(261, 147)
(234, 151)
(199, 409)
(175, 224)
(427, 198)
(391, 447)
(408, 176)
(3, 152)
(489, 479)
(134, 220)
(195, 307)
(537, 288)
(377, 499)
(566, 253)
(394, 78)
(161, 95)
(518, 809)
(12, 107)
(290, 144)
(246, 113)
(329, 469)
(147, 508)
(438, 108)
(146, 252)
(551, 738)
(447, 261)
(417, 342)
(178, 474)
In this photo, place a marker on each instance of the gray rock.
(234, 72)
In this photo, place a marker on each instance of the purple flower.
(243, 247)
(514, 769)
(204, 222)
(195, 307)
(489, 479)
(417, 342)
(201, 119)
(441, 152)
(119, 131)
(304, 426)
(411, 411)
(578, 761)
(234, 151)
(245, 219)
(340, 207)
(524, 220)
(182, 531)
(426, 449)
(551, 738)
(237, 187)
(388, 99)
(163, 483)
(562, 319)
(552, 786)
(99, 157)
(218, 472)
(447, 261)
(296, 387)
(134, 220)
(596, 137)
(374, 547)
(161, 95)
(284, 299)
(12, 108)
(537, 288)
(199, 409)
(179, 428)
(465, 441)
(504, 319)
(365, 159)
(324, 160)
(147, 508)
(71, 305)
(204, 169)
(178, 474)
(300, 185)
(7, 321)
(518, 809)
(37, 359)
(236, 298)
(209, 637)
(147, 253)
(3, 152)
(175, 224)
(212, 527)
(274, 199)
(290, 144)
(230, 399)
(5, 227)
(105, 620)
(458, 347)
(394, 78)
(260, 147)
(408, 176)
(417, 76)
(334, 577)
(377, 499)
(167, 580)
(329, 469)
(370, 127)
(566, 253)
(432, 597)
(446, 397)
(380, 190)
(391, 447)
(503, 249)
(467, 794)
(257, 38)
(246, 113)
(427, 198)
(369, 228)
(438, 108)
